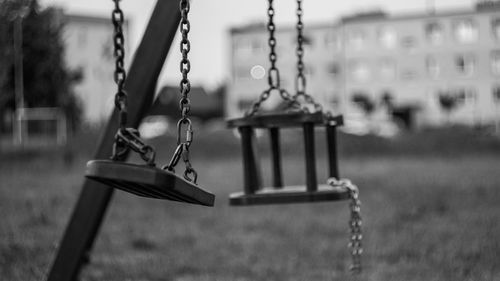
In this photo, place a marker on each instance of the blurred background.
(418, 85)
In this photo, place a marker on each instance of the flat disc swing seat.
(148, 180)
(254, 193)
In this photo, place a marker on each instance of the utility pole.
(19, 129)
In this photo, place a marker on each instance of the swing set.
(133, 97)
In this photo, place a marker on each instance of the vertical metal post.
(251, 170)
(274, 135)
(331, 142)
(311, 177)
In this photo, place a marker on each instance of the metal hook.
(175, 158)
(191, 171)
(189, 131)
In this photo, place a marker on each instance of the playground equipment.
(149, 181)
(299, 115)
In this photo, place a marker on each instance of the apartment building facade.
(89, 49)
(413, 59)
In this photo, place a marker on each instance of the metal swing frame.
(88, 214)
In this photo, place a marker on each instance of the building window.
(434, 33)
(408, 74)
(242, 47)
(359, 70)
(465, 31)
(495, 28)
(387, 37)
(465, 64)
(332, 41)
(333, 69)
(257, 46)
(82, 37)
(432, 66)
(496, 93)
(388, 69)
(356, 39)
(409, 43)
(495, 62)
(241, 73)
(308, 70)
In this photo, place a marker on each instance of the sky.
(212, 19)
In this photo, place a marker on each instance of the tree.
(449, 101)
(363, 101)
(47, 80)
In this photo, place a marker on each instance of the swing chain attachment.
(126, 139)
(273, 76)
(300, 80)
(182, 150)
(355, 222)
(129, 138)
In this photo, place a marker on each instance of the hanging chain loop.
(129, 138)
(126, 139)
(182, 149)
(300, 80)
(273, 74)
(355, 222)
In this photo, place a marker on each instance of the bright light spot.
(257, 72)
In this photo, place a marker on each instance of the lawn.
(427, 216)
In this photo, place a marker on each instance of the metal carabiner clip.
(189, 131)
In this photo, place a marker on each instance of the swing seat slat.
(289, 194)
(147, 181)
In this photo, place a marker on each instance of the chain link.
(182, 149)
(355, 222)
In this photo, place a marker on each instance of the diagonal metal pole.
(140, 85)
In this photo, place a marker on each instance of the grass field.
(427, 216)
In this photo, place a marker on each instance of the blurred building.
(411, 60)
(89, 48)
(249, 64)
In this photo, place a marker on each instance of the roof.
(202, 104)
(260, 26)
(85, 18)
(380, 16)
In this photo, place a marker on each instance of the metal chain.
(355, 222)
(126, 139)
(182, 150)
(300, 81)
(120, 74)
(273, 76)
(185, 64)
